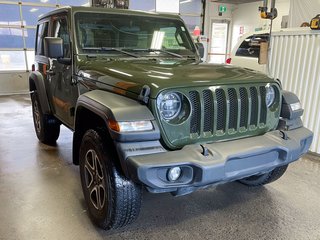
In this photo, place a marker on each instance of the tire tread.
(266, 178)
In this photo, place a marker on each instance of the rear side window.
(42, 32)
(250, 47)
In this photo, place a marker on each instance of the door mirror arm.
(65, 61)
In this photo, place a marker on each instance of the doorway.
(219, 41)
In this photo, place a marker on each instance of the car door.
(64, 92)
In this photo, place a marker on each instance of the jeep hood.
(160, 74)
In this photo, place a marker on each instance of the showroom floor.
(41, 197)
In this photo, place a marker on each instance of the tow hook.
(205, 151)
(284, 135)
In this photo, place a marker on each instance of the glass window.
(30, 58)
(42, 33)
(250, 47)
(60, 29)
(41, 1)
(11, 38)
(10, 15)
(73, 2)
(143, 5)
(100, 32)
(190, 6)
(192, 22)
(12, 60)
(30, 37)
(171, 40)
(30, 14)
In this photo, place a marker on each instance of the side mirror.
(200, 48)
(53, 47)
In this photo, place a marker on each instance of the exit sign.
(222, 8)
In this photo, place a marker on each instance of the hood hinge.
(144, 94)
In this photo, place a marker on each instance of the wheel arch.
(85, 119)
(36, 83)
(95, 108)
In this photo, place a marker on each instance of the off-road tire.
(47, 127)
(258, 180)
(113, 201)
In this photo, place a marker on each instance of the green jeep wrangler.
(147, 113)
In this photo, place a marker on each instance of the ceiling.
(235, 1)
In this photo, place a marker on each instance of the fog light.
(174, 173)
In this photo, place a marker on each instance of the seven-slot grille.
(227, 109)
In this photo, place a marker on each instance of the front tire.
(46, 126)
(113, 201)
(269, 177)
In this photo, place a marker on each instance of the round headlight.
(169, 105)
(270, 95)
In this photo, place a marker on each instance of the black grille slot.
(208, 111)
(254, 106)
(263, 113)
(233, 110)
(244, 107)
(221, 109)
(196, 112)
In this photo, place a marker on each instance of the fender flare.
(110, 106)
(287, 99)
(36, 83)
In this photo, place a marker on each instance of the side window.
(250, 47)
(42, 32)
(60, 29)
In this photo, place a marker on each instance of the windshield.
(108, 33)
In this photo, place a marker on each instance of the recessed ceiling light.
(33, 9)
(44, 1)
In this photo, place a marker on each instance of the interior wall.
(303, 11)
(14, 82)
(212, 13)
(247, 16)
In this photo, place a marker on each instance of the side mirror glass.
(200, 48)
(53, 47)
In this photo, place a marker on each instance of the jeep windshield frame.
(125, 34)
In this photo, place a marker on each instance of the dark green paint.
(164, 73)
(127, 75)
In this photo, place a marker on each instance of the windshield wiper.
(165, 51)
(155, 50)
(110, 49)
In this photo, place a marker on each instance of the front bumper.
(225, 162)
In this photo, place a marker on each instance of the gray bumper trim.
(227, 161)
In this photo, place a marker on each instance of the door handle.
(51, 72)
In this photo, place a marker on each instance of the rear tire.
(258, 180)
(47, 127)
(113, 201)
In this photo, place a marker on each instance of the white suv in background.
(247, 50)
